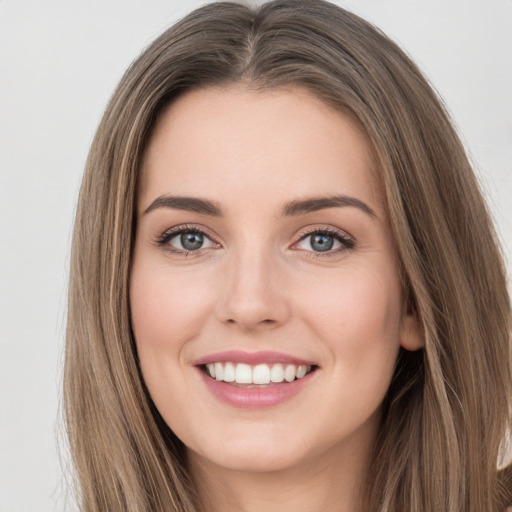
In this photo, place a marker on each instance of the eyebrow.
(291, 209)
(190, 204)
(303, 206)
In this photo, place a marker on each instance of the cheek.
(166, 307)
(358, 314)
(359, 321)
(167, 310)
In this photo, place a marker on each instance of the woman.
(285, 288)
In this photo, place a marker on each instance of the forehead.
(231, 141)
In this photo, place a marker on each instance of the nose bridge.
(253, 294)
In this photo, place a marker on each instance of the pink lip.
(252, 358)
(258, 397)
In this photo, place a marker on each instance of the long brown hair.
(448, 407)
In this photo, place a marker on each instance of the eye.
(324, 241)
(185, 240)
(189, 241)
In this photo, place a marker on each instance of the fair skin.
(262, 275)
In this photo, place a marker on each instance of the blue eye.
(191, 241)
(185, 240)
(321, 242)
(324, 242)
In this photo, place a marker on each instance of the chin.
(248, 456)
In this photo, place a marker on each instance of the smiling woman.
(288, 295)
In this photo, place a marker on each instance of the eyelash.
(347, 242)
(164, 239)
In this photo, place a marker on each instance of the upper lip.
(252, 358)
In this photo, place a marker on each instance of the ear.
(411, 332)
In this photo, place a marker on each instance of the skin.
(259, 285)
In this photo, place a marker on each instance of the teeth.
(301, 371)
(219, 371)
(229, 372)
(243, 374)
(290, 372)
(260, 374)
(277, 373)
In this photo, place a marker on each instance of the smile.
(261, 374)
(255, 380)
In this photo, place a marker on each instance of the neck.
(329, 483)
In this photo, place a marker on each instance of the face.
(265, 295)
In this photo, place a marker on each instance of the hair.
(447, 411)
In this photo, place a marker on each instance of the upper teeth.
(260, 374)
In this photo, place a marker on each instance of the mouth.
(259, 375)
(255, 380)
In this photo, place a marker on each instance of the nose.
(254, 295)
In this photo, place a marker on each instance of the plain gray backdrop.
(59, 62)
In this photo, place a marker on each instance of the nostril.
(246, 323)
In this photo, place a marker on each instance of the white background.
(59, 62)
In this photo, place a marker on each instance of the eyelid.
(164, 238)
(346, 240)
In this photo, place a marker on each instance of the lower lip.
(255, 397)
